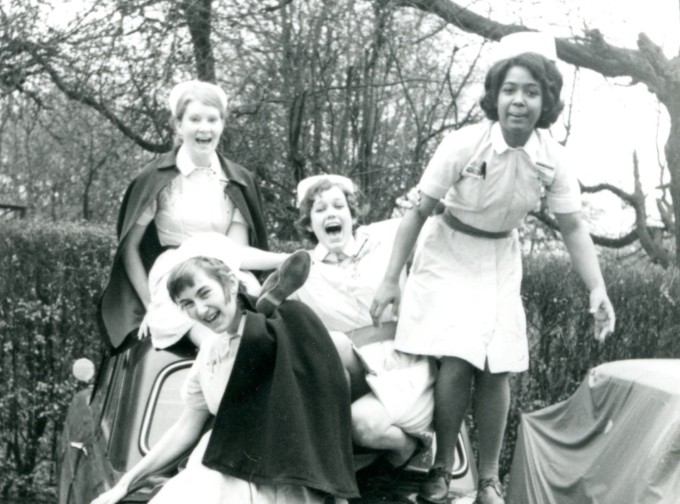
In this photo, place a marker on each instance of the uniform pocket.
(470, 190)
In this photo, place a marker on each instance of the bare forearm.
(406, 237)
(582, 251)
(175, 442)
(132, 261)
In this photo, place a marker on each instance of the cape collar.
(169, 160)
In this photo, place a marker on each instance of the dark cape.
(120, 310)
(285, 417)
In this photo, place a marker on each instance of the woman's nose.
(200, 308)
(518, 98)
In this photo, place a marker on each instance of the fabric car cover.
(615, 441)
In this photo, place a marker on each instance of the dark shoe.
(288, 278)
(489, 491)
(435, 489)
(422, 445)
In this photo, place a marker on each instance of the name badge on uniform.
(476, 169)
(546, 173)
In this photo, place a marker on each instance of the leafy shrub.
(50, 277)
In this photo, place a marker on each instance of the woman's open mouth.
(333, 228)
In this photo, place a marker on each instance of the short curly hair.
(304, 222)
(542, 69)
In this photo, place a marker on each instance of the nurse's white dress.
(341, 293)
(462, 297)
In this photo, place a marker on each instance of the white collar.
(186, 166)
(321, 252)
(532, 147)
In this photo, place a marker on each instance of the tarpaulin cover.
(615, 441)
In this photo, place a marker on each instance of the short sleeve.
(191, 392)
(564, 194)
(148, 214)
(439, 174)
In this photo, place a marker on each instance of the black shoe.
(288, 278)
(435, 489)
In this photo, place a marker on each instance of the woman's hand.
(114, 495)
(603, 313)
(144, 330)
(388, 293)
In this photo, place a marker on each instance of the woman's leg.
(354, 368)
(372, 427)
(491, 412)
(451, 397)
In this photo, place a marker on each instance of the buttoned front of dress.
(194, 202)
(462, 298)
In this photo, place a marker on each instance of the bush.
(50, 277)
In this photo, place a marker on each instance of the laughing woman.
(189, 191)
(277, 389)
(393, 392)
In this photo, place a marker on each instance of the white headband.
(183, 87)
(305, 184)
(526, 42)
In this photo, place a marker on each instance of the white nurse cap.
(183, 87)
(526, 42)
(305, 184)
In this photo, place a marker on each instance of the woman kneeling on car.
(277, 388)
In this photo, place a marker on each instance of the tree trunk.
(199, 20)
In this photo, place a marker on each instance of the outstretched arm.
(253, 258)
(389, 292)
(177, 440)
(584, 258)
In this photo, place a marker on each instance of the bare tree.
(646, 64)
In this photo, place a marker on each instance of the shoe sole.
(290, 277)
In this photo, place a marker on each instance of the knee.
(455, 370)
(366, 431)
(344, 347)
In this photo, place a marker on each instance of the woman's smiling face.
(207, 302)
(200, 127)
(331, 219)
(520, 100)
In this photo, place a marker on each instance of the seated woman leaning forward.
(395, 407)
(282, 429)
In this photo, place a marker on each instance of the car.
(135, 397)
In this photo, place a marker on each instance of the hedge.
(51, 275)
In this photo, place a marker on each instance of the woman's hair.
(183, 275)
(204, 92)
(542, 69)
(304, 222)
